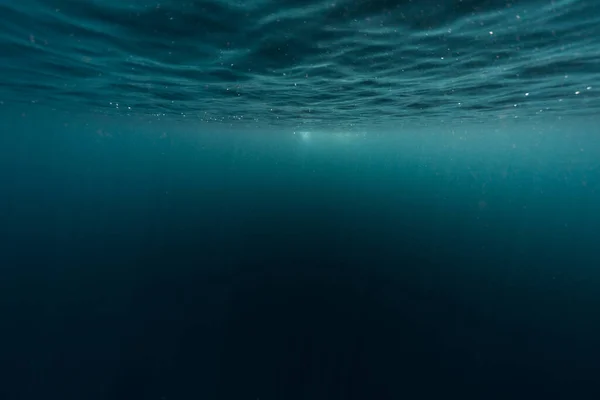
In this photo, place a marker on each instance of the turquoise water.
(332, 64)
(299, 200)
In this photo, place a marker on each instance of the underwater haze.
(271, 200)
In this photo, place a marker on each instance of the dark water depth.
(148, 262)
(299, 200)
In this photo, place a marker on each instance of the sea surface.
(334, 63)
(274, 200)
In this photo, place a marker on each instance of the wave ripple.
(304, 62)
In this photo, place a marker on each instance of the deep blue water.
(299, 200)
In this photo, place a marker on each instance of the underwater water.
(266, 199)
